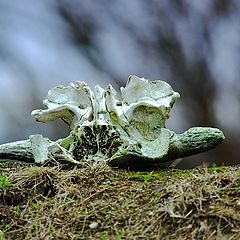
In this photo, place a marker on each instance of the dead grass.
(97, 202)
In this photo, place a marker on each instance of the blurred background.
(193, 45)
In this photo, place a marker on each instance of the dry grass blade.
(97, 202)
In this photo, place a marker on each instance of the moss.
(218, 169)
(4, 163)
(4, 182)
(170, 204)
(237, 188)
(148, 177)
(144, 176)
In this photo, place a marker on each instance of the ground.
(98, 202)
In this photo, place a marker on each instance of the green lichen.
(147, 122)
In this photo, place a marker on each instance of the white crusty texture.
(77, 102)
(72, 103)
(138, 118)
(125, 132)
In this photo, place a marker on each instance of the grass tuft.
(97, 202)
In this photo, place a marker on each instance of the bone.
(130, 132)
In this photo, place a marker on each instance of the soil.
(99, 202)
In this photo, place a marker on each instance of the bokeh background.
(194, 45)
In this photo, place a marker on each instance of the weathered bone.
(127, 133)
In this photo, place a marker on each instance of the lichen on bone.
(101, 125)
(124, 132)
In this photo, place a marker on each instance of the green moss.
(161, 204)
(237, 188)
(143, 176)
(4, 163)
(4, 183)
(218, 169)
(148, 177)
